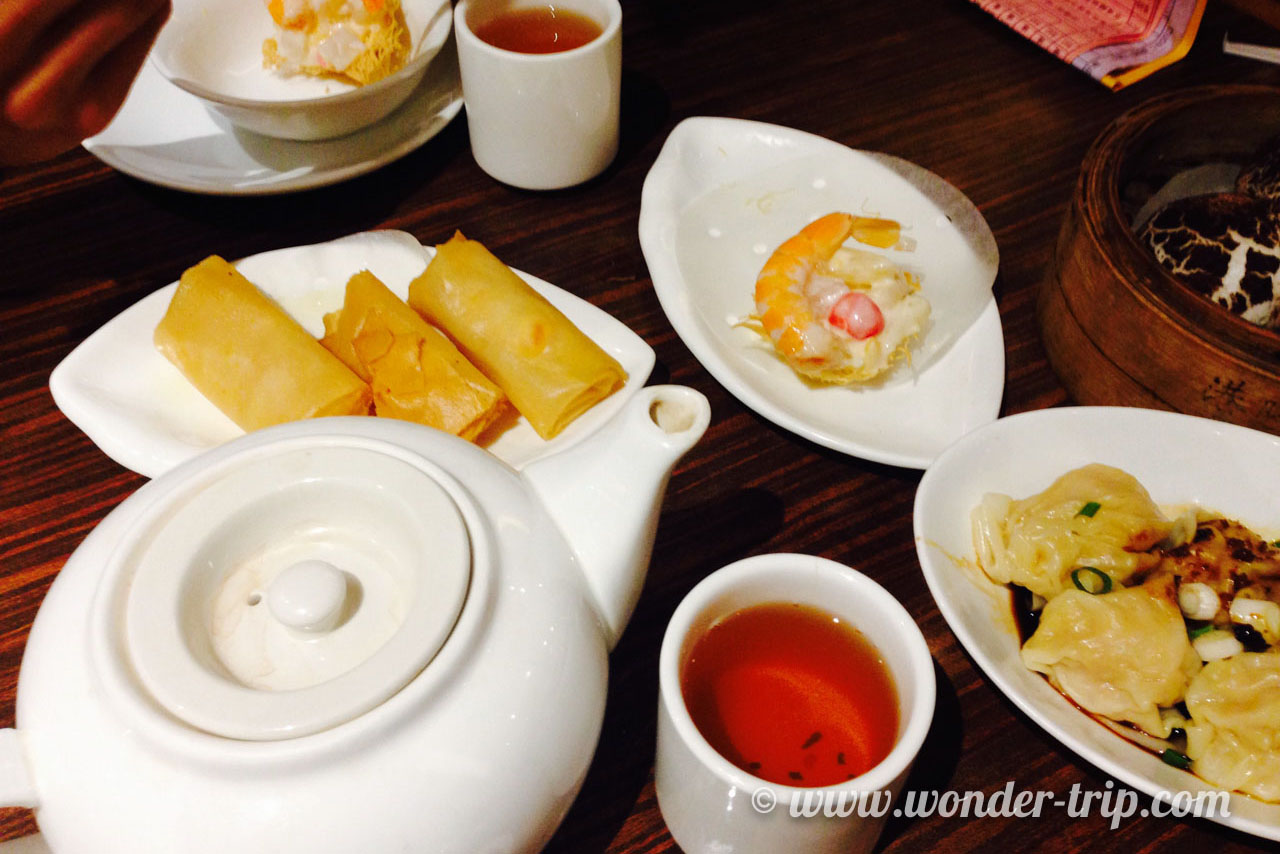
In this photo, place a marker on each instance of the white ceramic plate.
(139, 409)
(1178, 458)
(724, 193)
(166, 136)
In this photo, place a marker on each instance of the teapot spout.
(605, 493)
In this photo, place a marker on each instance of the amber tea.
(539, 29)
(792, 694)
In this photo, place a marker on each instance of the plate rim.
(673, 296)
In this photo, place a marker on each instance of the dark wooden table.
(935, 81)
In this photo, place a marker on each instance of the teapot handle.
(17, 789)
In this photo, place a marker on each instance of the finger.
(45, 96)
(106, 87)
(22, 25)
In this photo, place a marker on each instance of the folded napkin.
(1116, 42)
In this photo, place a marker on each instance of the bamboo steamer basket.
(1118, 328)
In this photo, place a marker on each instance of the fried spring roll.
(415, 371)
(550, 369)
(248, 356)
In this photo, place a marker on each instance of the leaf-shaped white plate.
(1180, 459)
(724, 193)
(141, 411)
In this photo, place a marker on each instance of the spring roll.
(414, 370)
(550, 369)
(248, 356)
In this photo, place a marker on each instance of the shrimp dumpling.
(1096, 516)
(1234, 737)
(839, 314)
(1122, 655)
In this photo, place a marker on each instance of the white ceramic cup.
(711, 805)
(542, 121)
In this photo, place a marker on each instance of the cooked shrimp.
(835, 314)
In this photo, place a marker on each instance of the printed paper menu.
(1117, 42)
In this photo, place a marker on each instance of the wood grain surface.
(937, 82)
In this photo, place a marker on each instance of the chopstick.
(1262, 53)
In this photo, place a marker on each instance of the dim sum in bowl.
(214, 49)
(1180, 462)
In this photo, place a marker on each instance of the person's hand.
(65, 68)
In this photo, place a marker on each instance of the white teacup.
(713, 807)
(541, 121)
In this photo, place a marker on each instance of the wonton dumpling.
(1234, 737)
(1036, 542)
(1122, 655)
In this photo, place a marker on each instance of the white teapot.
(341, 635)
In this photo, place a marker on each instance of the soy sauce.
(1025, 616)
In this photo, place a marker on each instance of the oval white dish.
(1180, 459)
(724, 193)
(139, 409)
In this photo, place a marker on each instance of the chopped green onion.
(1174, 758)
(1089, 509)
(1197, 632)
(1100, 582)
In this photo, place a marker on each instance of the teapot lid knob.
(310, 595)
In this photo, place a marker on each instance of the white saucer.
(166, 136)
(724, 192)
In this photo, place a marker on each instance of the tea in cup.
(794, 695)
(542, 87)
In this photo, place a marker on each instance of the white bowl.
(1180, 459)
(213, 49)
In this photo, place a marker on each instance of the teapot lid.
(294, 586)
